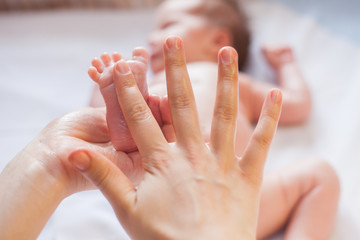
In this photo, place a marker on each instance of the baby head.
(205, 27)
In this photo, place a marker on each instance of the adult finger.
(180, 94)
(140, 121)
(154, 105)
(111, 181)
(255, 153)
(138, 65)
(167, 126)
(225, 111)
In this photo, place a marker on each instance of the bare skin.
(297, 206)
(301, 199)
(202, 41)
(102, 73)
(176, 17)
(252, 93)
(187, 179)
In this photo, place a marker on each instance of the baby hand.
(278, 56)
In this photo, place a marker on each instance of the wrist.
(284, 65)
(42, 164)
(29, 171)
(29, 196)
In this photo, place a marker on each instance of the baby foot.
(102, 73)
(278, 56)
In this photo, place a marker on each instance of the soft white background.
(43, 74)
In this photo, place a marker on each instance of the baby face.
(176, 17)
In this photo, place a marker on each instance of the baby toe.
(141, 54)
(98, 65)
(116, 57)
(94, 74)
(105, 57)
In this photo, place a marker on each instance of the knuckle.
(229, 73)
(175, 61)
(256, 180)
(182, 101)
(263, 142)
(156, 164)
(225, 113)
(271, 116)
(99, 177)
(139, 112)
(227, 78)
(156, 161)
(192, 152)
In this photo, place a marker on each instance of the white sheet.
(331, 66)
(43, 64)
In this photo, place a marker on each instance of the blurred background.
(46, 47)
(332, 13)
(24, 5)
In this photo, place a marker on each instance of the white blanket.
(44, 59)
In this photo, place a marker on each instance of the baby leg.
(102, 73)
(302, 199)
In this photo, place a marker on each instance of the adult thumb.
(104, 174)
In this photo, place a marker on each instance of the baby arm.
(296, 94)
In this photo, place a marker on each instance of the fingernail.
(227, 56)
(173, 43)
(80, 159)
(123, 67)
(274, 94)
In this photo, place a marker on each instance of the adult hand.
(190, 190)
(40, 176)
